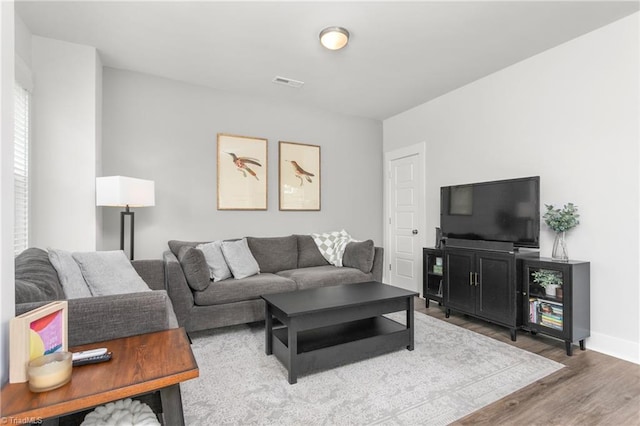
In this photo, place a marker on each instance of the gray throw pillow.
(69, 274)
(239, 258)
(109, 272)
(359, 255)
(195, 268)
(218, 268)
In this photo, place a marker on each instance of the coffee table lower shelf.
(334, 345)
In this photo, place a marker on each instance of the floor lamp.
(121, 191)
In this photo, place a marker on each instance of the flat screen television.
(505, 211)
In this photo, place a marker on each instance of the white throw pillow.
(218, 267)
(239, 258)
(109, 272)
(69, 274)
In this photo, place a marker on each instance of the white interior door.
(405, 205)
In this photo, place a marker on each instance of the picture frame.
(36, 333)
(299, 178)
(242, 172)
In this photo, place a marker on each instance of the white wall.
(569, 115)
(165, 131)
(7, 288)
(65, 131)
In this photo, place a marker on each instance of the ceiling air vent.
(288, 82)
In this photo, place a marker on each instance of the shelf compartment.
(340, 344)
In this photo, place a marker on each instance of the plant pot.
(550, 290)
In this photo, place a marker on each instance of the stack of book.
(551, 315)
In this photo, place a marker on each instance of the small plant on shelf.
(549, 280)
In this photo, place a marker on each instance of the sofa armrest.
(151, 271)
(177, 287)
(378, 263)
(94, 319)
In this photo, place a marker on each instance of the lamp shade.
(120, 191)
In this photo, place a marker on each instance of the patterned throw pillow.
(332, 245)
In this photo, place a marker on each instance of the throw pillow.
(239, 258)
(359, 255)
(109, 272)
(195, 268)
(69, 274)
(218, 268)
(332, 245)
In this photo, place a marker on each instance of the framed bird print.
(242, 173)
(299, 176)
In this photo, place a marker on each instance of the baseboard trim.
(619, 348)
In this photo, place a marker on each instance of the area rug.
(451, 373)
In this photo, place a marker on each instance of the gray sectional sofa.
(286, 264)
(94, 319)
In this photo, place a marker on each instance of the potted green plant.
(549, 280)
(560, 221)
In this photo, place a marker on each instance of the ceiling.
(401, 54)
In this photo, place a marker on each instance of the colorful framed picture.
(299, 176)
(242, 173)
(36, 333)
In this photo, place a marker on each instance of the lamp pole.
(127, 212)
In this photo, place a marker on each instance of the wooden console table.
(140, 364)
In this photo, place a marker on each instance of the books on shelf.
(546, 313)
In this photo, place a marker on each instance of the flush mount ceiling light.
(334, 38)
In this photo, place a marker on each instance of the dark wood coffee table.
(329, 326)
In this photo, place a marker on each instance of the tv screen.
(504, 210)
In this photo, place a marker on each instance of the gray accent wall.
(164, 130)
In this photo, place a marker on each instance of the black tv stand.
(480, 245)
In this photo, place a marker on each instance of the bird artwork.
(301, 173)
(241, 164)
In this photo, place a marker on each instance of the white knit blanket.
(332, 245)
(126, 412)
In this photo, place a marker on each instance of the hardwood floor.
(592, 389)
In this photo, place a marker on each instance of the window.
(21, 170)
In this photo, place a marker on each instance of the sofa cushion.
(218, 268)
(69, 274)
(36, 280)
(322, 276)
(275, 254)
(195, 268)
(239, 258)
(176, 245)
(359, 255)
(308, 253)
(249, 288)
(109, 272)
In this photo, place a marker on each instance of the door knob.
(414, 232)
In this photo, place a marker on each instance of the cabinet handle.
(477, 281)
(470, 278)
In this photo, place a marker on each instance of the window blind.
(21, 169)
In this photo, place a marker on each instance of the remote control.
(88, 354)
(92, 360)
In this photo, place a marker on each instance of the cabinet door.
(496, 293)
(460, 291)
(545, 312)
